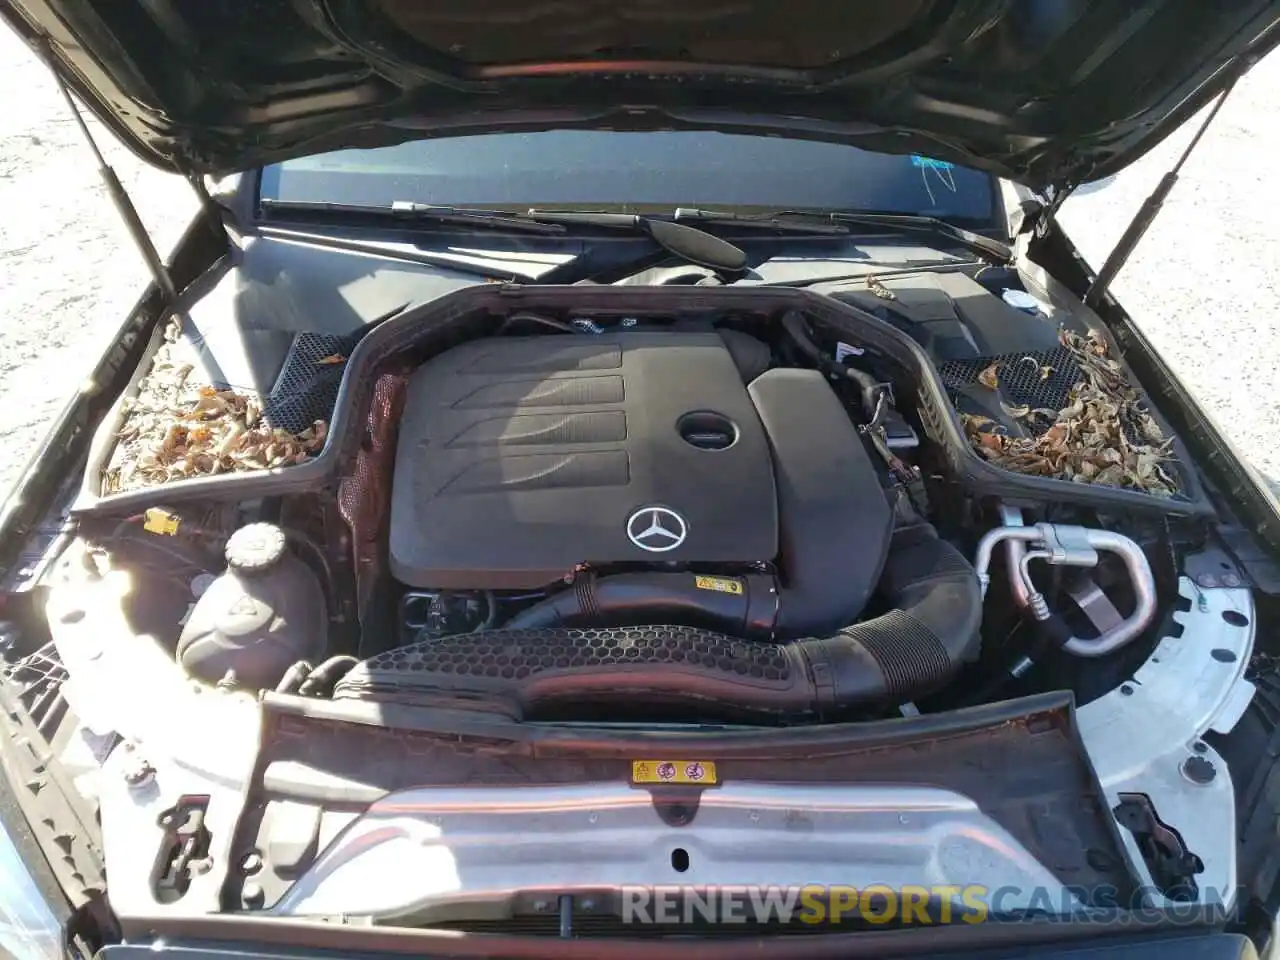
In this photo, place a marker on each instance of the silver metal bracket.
(1141, 735)
(1067, 545)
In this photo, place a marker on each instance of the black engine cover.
(521, 458)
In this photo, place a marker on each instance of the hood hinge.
(1039, 211)
(1060, 192)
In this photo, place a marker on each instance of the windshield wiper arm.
(782, 223)
(690, 244)
(400, 252)
(411, 212)
(695, 246)
(992, 250)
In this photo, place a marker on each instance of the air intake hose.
(905, 653)
(739, 606)
(917, 646)
(914, 648)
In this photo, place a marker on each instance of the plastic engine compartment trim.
(481, 305)
(520, 458)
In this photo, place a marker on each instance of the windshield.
(638, 170)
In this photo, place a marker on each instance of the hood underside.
(1048, 92)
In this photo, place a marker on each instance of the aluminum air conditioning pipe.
(1072, 546)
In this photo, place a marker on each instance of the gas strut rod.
(1150, 207)
(124, 206)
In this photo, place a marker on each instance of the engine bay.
(604, 508)
(688, 504)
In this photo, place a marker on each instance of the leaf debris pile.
(1103, 435)
(174, 429)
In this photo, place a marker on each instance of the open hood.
(1045, 92)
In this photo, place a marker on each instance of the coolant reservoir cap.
(255, 548)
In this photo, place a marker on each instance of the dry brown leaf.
(331, 359)
(173, 430)
(1103, 434)
(879, 289)
(1016, 412)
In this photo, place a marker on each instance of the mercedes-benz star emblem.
(656, 529)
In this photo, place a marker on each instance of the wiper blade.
(410, 211)
(688, 243)
(696, 246)
(992, 250)
(424, 258)
(761, 221)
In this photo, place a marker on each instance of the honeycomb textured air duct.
(907, 652)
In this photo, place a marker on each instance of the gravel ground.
(1203, 283)
(68, 271)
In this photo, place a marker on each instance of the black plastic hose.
(870, 390)
(742, 606)
(908, 652)
(916, 647)
(321, 680)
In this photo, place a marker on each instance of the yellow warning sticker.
(718, 584)
(701, 772)
(156, 520)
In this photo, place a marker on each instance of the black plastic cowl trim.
(474, 311)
